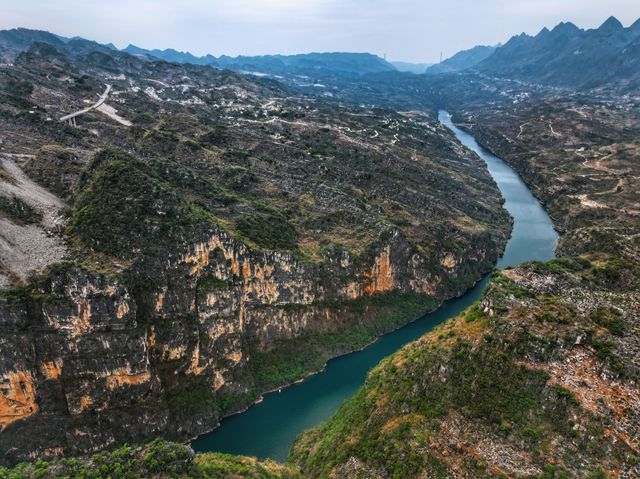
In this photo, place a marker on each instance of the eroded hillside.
(540, 378)
(208, 237)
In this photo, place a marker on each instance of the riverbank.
(538, 379)
(277, 421)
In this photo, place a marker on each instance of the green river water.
(268, 429)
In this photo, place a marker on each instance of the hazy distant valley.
(208, 229)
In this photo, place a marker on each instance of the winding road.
(99, 103)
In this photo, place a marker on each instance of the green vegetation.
(156, 459)
(474, 313)
(605, 350)
(18, 211)
(268, 230)
(502, 287)
(564, 393)
(610, 273)
(191, 397)
(364, 320)
(609, 318)
(123, 207)
(223, 466)
(21, 88)
(562, 265)
(56, 168)
(16, 294)
(208, 284)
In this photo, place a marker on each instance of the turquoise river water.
(268, 429)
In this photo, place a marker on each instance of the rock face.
(539, 378)
(87, 363)
(227, 239)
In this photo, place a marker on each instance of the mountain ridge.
(462, 60)
(346, 62)
(19, 39)
(566, 56)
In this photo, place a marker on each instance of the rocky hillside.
(570, 57)
(540, 378)
(193, 238)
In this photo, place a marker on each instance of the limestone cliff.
(86, 363)
(228, 238)
(539, 378)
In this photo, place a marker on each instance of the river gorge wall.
(228, 242)
(87, 363)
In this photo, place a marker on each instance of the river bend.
(268, 429)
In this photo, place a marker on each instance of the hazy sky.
(412, 30)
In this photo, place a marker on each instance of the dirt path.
(522, 129)
(112, 113)
(554, 132)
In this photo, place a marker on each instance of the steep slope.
(566, 56)
(532, 382)
(540, 378)
(462, 60)
(228, 239)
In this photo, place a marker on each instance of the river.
(268, 429)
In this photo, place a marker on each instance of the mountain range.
(192, 237)
(336, 62)
(565, 56)
(14, 41)
(569, 56)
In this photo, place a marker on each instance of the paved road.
(102, 99)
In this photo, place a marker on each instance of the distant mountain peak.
(612, 24)
(463, 60)
(572, 57)
(543, 32)
(131, 48)
(565, 27)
